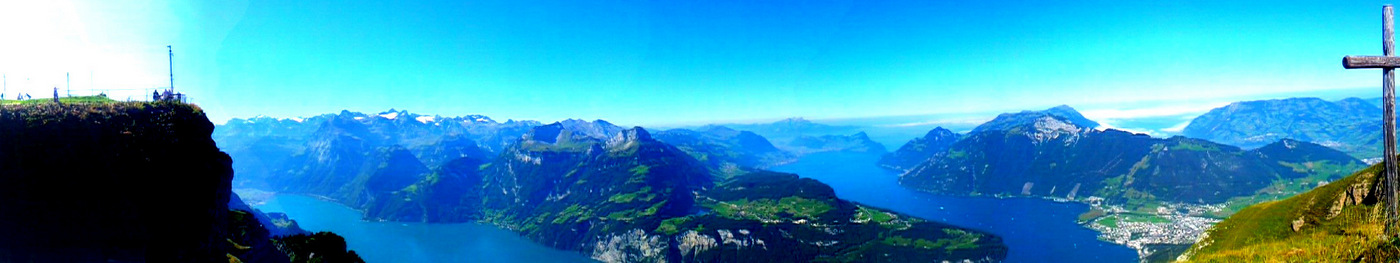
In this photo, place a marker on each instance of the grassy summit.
(1340, 221)
(73, 100)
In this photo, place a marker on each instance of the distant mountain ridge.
(920, 149)
(1351, 125)
(858, 143)
(785, 130)
(266, 146)
(1045, 154)
(730, 151)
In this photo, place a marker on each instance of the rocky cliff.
(124, 182)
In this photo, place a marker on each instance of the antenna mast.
(172, 68)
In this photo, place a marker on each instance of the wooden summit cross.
(1387, 64)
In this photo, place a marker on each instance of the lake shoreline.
(1051, 235)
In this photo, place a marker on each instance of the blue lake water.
(415, 242)
(1036, 230)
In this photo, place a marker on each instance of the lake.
(1036, 230)
(415, 242)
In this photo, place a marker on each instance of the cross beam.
(1354, 62)
(1387, 64)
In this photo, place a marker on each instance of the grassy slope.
(1264, 233)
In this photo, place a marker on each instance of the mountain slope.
(1340, 221)
(452, 193)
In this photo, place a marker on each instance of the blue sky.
(672, 62)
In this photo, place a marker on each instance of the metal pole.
(172, 67)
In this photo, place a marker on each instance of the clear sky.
(667, 62)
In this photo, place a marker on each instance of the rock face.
(123, 182)
(1349, 125)
(1042, 154)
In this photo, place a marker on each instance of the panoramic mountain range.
(400, 166)
(615, 194)
(621, 194)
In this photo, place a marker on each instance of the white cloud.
(1191, 110)
(963, 121)
(1178, 127)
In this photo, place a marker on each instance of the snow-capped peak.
(389, 115)
(426, 119)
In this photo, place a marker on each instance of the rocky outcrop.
(692, 243)
(124, 181)
(630, 246)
